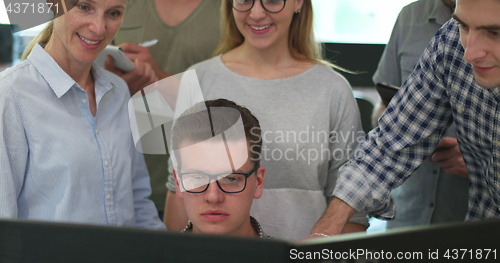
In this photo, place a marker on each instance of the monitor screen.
(355, 21)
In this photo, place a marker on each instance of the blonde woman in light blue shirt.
(66, 150)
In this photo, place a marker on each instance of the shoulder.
(418, 12)
(447, 39)
(325, 75)
(23, 72)
(325, 84)
(450, 31)
(17, 69)
(20, 76)
(213, 5)
(332, 85)
(448, 46)
(135, 10)
(211, 65)
(418, 6)
(133, 5)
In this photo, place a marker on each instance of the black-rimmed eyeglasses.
(271, 6)
(228, 182)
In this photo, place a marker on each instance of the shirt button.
(459, 110)
(108, 197)
(106, 163)
(96, 131)
(84, 101)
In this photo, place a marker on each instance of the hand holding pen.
(141, 52)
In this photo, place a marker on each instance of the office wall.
(362, 58)
(5, 44)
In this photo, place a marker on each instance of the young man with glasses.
(218, 174)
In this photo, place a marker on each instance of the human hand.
(333, 220)
(314, 236)
(134, 51)
(450, 157)
(142, 76)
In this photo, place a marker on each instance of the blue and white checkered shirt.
(440, 89)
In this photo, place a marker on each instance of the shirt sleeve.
(409, 130)
(345, 133)
(389, 69)
(13, 151)
(146, 215)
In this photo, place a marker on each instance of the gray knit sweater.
(310, 127)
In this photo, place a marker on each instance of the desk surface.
(30, 241)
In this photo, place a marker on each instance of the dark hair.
(210, 118)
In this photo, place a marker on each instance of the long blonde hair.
(42, 37)
(301, 42)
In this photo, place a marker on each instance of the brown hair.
(210, 118)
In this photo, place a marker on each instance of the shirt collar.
(102, 83)
(255, 225)
(440, 13)
(59, 80)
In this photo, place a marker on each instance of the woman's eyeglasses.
(271, 6)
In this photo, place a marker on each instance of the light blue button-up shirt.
(60, 163)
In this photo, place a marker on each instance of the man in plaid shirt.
(457, 79)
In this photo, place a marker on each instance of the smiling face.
(480, 37)
(262, 29)
(214, 211)
(85, 30)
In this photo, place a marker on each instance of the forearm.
(335, 218)
(13, 152)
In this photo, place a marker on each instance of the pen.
(149, 43)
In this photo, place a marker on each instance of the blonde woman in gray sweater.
(269, 62)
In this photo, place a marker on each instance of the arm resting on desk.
(334, 220)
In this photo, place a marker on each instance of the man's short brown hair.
(210, 118)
